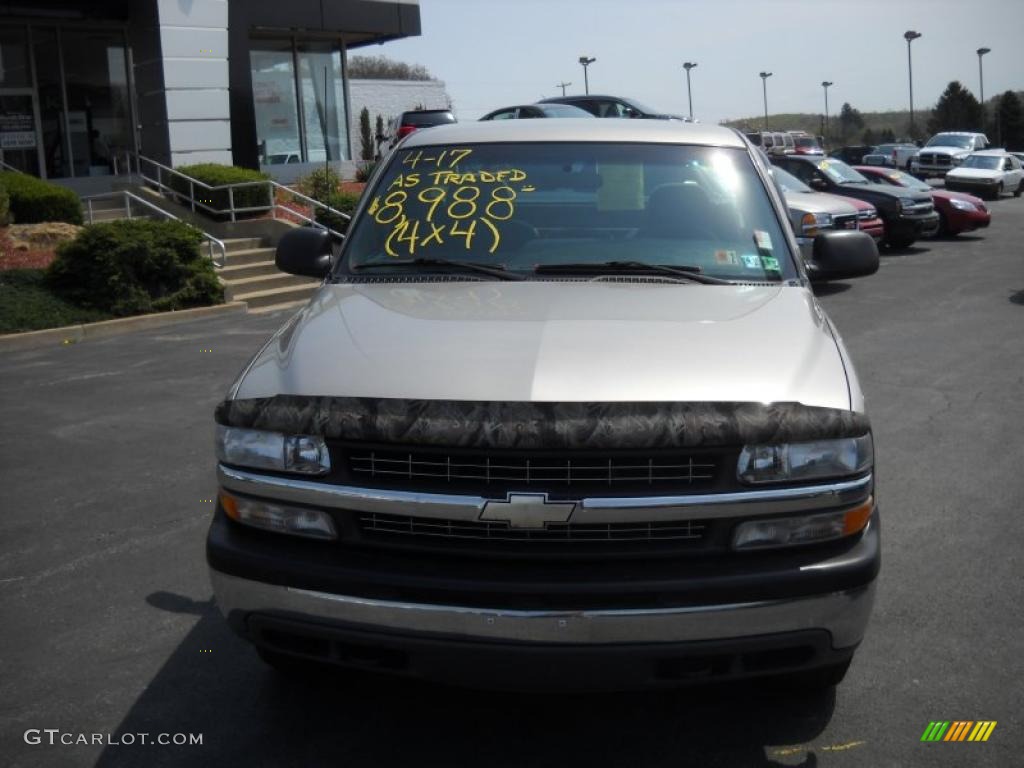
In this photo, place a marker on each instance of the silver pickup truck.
(564, 413)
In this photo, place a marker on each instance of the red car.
(958, 211)
(868, 219)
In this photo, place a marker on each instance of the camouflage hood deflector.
(542, 426)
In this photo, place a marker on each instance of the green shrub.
(365, 170)
(5, 206)
(26, 304)
(33, 200)
(256, 196)
(134, 267)
(320, 184)
(342, 201)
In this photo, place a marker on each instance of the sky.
(494, 53)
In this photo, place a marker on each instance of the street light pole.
(563, 86)
(981, 83)
(764, 88)
(825, 84)
(586, 61)
(910, 35)
(688, 65)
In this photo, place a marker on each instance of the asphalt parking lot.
(107, 477)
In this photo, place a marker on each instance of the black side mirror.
(305, 251)
(819, 184)
(841, 255)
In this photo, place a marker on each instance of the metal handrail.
(232, 210)
(130, 197)
(9, 167)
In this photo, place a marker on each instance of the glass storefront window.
(323, 102)
(14, 68)
(299, 101)
(99, 110)
(51, 102)
(273, 90)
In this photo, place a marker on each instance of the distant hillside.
(897, 122)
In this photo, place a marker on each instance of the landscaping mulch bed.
(33, 246)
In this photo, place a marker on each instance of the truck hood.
(555, 341)
(819, 202)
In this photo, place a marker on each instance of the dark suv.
(408, 122)
(611, 106)
(907, 214)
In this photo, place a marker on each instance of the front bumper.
(916, 226)
(556, 624)
(498, 648)
(980, 188)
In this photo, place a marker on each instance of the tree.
(850, 120)
(383, 68)
(886, 136)
(869, 137)
(956, 110)
(1009, 121)
(365, 137)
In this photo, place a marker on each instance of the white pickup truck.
(945, 151)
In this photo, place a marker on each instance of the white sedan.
(988, 173)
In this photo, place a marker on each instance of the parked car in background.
(612, 106)
(810, 212)
(989, 173)
(907, 214)
(958, 211)
(410, 122)
(524, 111)
(1019, 156)
(893, 155)
(945, 151)
(852, 155)
(868, 219)
(806, 145)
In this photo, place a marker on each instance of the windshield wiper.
(686, 272)
(494, 270)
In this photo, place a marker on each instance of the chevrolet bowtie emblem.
(528, 510)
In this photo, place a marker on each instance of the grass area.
(26, 304)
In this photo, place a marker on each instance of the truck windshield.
(950, 140)
(517, 207)
(840, 172)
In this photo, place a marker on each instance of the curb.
(70, 334)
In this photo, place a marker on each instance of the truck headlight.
(812, 223)
(807, 529)
(956, 160)
(258, 449)
(279, 518)
(907, 203)
(815, 460)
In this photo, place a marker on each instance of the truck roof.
(570, 129)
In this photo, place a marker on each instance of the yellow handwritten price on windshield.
(405, 236)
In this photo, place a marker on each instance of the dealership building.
(256, 83)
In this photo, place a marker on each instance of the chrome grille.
(846, 221)
(403, 525)
(866, 214)
(531, 471)
(934, 159)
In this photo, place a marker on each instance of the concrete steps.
(250, 275)
(275, 296)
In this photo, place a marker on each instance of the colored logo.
(958, 730)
